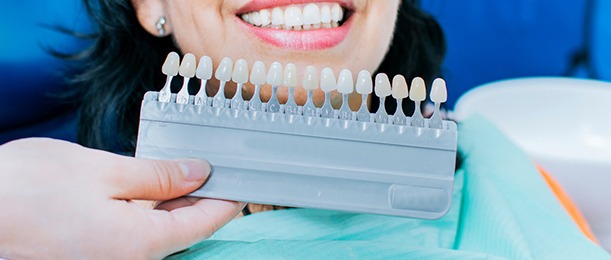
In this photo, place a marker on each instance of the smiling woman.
(133, 38)
(235, 29)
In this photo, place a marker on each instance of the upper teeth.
(301, 16)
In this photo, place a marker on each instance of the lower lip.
(300, 40)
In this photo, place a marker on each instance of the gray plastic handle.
(301, 161)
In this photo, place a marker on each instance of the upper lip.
(256, 5)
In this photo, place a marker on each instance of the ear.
(149, 13)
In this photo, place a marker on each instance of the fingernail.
(195, 170)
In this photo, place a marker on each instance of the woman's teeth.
(297, 17)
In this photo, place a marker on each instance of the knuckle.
(164, 172)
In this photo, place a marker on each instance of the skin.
(64, 201)
(210, 28)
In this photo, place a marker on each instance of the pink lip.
(300, 40)
(296, 40)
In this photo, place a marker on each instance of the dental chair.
(563, 125)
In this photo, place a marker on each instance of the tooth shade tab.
(382, 85)
(290, 81)
(187, 70)
(439, 93)
(274, 75)
(399, 87)
(364, 84)
(418, 90)
(290, 76)
(170, 69)
(310, 78)
(328, 82)
(240, 71)
(188, 66)
(310, 83)
(223, 72)
(171, 65)
(204, 68)
(257, 75)
(345, 86)
(345, 83)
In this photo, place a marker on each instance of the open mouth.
(304, 26)
(297, 17)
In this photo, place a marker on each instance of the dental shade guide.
(335, 159)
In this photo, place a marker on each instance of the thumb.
(143, 179)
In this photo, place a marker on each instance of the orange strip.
(568, 205)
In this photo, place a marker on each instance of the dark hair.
(417, 50)
(124, 62)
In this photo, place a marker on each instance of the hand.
(61, 200)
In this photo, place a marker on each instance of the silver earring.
(160, 25)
